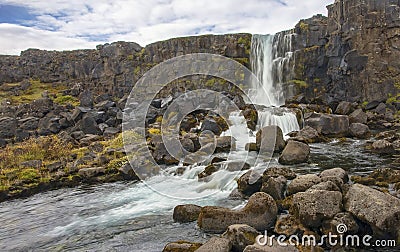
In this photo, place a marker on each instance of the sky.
(81, 24)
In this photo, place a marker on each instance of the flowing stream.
(135, 217)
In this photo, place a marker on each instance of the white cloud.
(70, 24)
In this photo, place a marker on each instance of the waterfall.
(272, 62)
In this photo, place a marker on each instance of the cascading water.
(271, 62)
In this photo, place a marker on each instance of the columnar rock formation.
(350, 55)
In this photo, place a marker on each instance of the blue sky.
(74, 24)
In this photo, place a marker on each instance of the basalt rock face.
(114, 68)
(350, 55)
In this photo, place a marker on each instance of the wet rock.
(302, 183)
(240, 235)
(251, 116)
(208, 170)
(8, 126)
(382, 147)
(260, 213)
(249, 183)
(359, 130)
(335, 172)
(160, 153)
(279, 171)
(181, 246)
(287, 225)
(294, 153)
(331, 226)
(91, 172)
(329, 125)
(186, 213)
(358, 116)
(251, 147)
(270, 138)
(314, 206)
(234, 165)
(216, 244)
(378, 209)
(275, 187)
(127, 172)
(187, 144)
(211, 125)
(224, 144)
(371, 105)
(344, 108)
(308, 135)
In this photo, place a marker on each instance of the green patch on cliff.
(303, 26)
(246, 42)
(19, 93)
(66, 99)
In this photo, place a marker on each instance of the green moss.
(311, 48)
(303, 26)
(243, 61)
(129, 57)
(300, 83)
(66, 99)
(136, 71)
(29, 175)
(154, 131)
(246, 42)
(117, 163)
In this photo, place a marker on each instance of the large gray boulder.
(216, 244)
(302, 183)
(240, 235)
(247, 184)
(260, 213)
(294, 153)
(314, 206)
(270, 138)
(8, 127)
(329, 125)
(358, 116)
(344, 108)
(359, 130)
(186, 213)
(378, 209)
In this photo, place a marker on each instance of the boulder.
(110, 131)
(271, 245)
(8, 127)
(29, 123)
(314, 206)
(91, 172)
(326, 186)
(270, 138)
(287, 225)
(86, 99)
(208, 170)
(127, 172)
(294, 153)
(378, 209)
(344, 108)
(216, 244)
(381, 109)
(279, 171)
(302, 183)
(359, 130)
(382, 147)
(251, 147)
(187, 144)
(249, 184)
(275, 186)
(260, 213)
(225, 143)
(308, 135)
(335, 172)
(211, 125)
(331, 226)
(186, 213)
(88, 125)
(329, 125)
(358, 116)
(181, 246)
(240, 235)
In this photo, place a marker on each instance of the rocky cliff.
(353, 53)
(114, 68)
(350, 55)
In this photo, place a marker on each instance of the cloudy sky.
(74, 24)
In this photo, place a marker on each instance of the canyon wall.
(353, 54)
